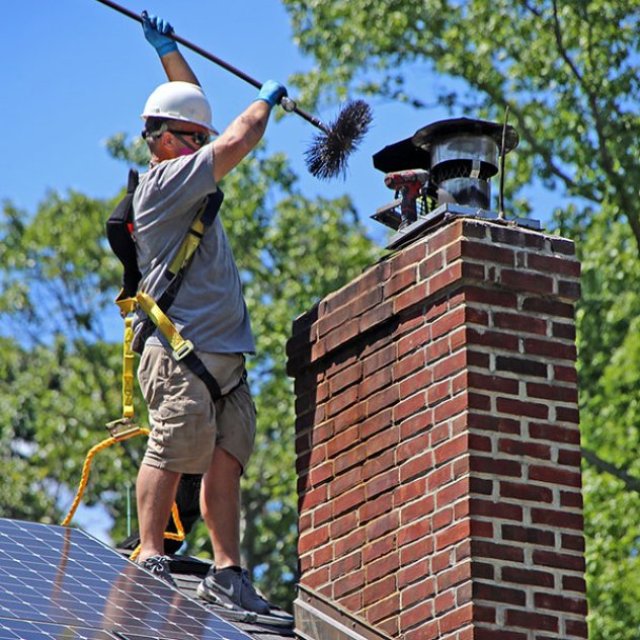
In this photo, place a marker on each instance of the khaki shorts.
(186, 424)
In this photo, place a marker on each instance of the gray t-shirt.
(209, 309)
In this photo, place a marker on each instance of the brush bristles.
(327, 156)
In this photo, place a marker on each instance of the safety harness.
(120, 236)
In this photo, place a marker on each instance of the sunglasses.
(198, 137)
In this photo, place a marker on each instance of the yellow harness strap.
(179, 345)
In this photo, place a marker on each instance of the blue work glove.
(156, 31)
(272, 92)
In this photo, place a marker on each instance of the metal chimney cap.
(424, 138)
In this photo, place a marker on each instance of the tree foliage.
(61, 363)
(569, 74)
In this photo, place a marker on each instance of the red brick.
(344, 565)
(556, 518)
(563, 330)
(520, 323)
(345, 481)
(409, 364)
(522, 491)
(531, 620)
(523, 448)
(452, 492)
(528, 577)
(415, 340)
(386, 566)
(451, 274)
(375, 424)
(576, 628)
(491, 297)
(378, 465)
(560, 603)
(493, 465)
(400, 280)
(341, 401)
(382, 526)
(456, 619)
(410, 256)
(342, 441)
(411, 491)
(496, 384)
(415, 531)
(492, 509)
(416, 467)
(522, 366)
(565, 561)
(418, 591)
(344, 524)
(345, 378)
(418, 615)
(491, 592)
(313, 539)
(389, 607)
(380, 547)
(412, 297)
(550, 348)
(529, 534)
(452, 535)
(349, 583)
(373, 317)
(320, 474)
(553, 475)
(417, 509)
(383, 399)
(381, 358)
(348, 501)
(340, 335)
(522, 408)
(355, 540)
(554, 433)
(382, 483)
(553, 392)
(495, 339)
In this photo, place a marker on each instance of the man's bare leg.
(220, 506)
(155, 493)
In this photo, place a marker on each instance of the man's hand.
(157, 31)
(272, 92)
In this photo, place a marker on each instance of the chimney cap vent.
(435, 132)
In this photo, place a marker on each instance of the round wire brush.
(327, 156)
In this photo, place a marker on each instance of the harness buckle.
(183, 350)
(122, 428)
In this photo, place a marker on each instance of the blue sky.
(78, 72)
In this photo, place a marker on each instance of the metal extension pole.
(287, 103)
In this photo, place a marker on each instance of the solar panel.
(58, 583)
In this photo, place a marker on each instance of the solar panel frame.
(60, 583)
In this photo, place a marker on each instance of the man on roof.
(192, 431)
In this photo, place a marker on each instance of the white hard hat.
(179, 101)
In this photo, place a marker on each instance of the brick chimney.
(438, 449)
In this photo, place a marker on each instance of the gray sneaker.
(230, 586)
(159, 567)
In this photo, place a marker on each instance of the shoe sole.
(210, 597)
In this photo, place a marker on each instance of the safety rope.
(122, 429)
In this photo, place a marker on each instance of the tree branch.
(630, 482)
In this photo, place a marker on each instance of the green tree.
(63, 367)
(569, 74)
